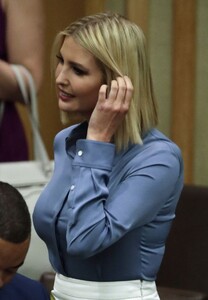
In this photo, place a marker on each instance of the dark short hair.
(15, 220)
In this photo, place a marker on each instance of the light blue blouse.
(105, 216)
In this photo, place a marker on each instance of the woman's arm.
(25, 44)
(98, 219)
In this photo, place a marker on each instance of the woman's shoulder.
(156, 148)
(158, 140)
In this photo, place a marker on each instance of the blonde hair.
(119, 46)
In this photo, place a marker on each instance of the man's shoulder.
(21, 287)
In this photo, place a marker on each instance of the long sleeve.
(98, 218)
(101, 204)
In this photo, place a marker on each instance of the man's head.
(15, 231)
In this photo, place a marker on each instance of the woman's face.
(78, 79)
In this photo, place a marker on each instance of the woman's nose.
(61, 76)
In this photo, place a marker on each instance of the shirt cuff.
(94, 154)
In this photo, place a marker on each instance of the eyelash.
(59, 58)
(76, 69)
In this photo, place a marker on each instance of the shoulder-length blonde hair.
(119, 46)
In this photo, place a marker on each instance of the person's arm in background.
(25, 44)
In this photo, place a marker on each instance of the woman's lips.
(65, 96)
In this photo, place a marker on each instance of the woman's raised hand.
(110, 109)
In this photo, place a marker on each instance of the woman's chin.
(70, 118)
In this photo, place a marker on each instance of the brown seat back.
(185, 263)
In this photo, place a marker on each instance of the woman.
(106, 213)
(21, 30)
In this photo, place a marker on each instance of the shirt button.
(72, 187)
(80, 152)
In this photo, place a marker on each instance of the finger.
(102, 92)
(121, 89)
(129, 89)
(113, 90)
